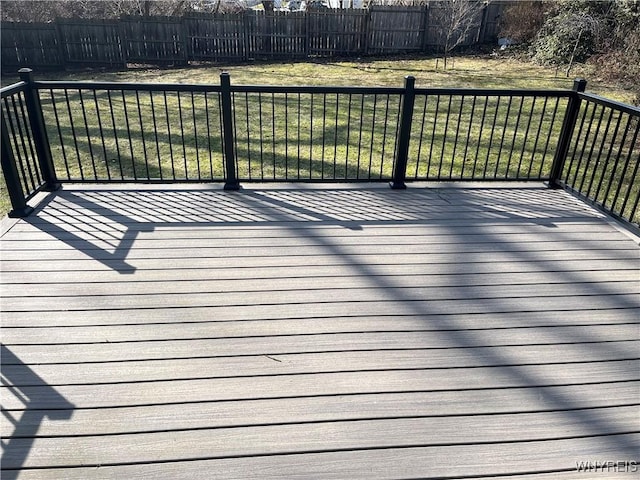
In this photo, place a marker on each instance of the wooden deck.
(316, 332)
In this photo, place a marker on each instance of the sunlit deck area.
(310, 331)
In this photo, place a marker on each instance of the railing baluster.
(335, 139)
(311, 138)
(514, 139)
(273, 132)
(360, 136)
(490, 144)
(208, 120)
(324, 131)
(195, 134)
(184, 146)
(155, 130)
(455, 141)
(169, 140)
(526, 136)
(484, 114)
(466, 146)
(444, 138)
(504, 132)
(73, 134)
(104, 146)
(115, 135)
(60, 136)
(548, 141)
(535, 143)
(86, 128)
(346, 161)
(261, 137)
(126, 121)
(433, 136)
(422, 124)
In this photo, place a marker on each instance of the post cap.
(26, 74)
(579, 84)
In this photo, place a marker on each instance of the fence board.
(30, 44)
(337, 32)
(277, 34)
(215, 37)
(154, 40)
(395, 30)
(89, 42)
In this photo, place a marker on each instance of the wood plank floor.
(319, 332)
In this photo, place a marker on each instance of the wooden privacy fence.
(233, 37)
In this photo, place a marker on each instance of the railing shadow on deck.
(17, 380)
(105, 223)
(513, 213)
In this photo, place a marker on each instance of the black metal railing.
(122, 132)
(23, 147)
(602, 161)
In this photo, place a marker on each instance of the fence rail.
(233, 37)
(124, 132)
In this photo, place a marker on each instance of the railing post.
(402, 148)
(36, 122)
(11, 176)
(231, 182)
(568, 125)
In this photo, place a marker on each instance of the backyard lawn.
(467, 72)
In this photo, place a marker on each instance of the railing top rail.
(173, 87)
(610, 103)
(13, 88)
(493, 92)
(316, 89)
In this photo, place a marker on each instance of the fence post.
(40, 140)
(425, 28)
(231, 182)
(568, 125)
(12, 177)
(404, 134)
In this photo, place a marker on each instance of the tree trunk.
(573, 54)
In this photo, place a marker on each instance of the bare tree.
(457, 20)
(49, 10)
(521, 21)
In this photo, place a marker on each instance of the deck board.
(318, 332)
